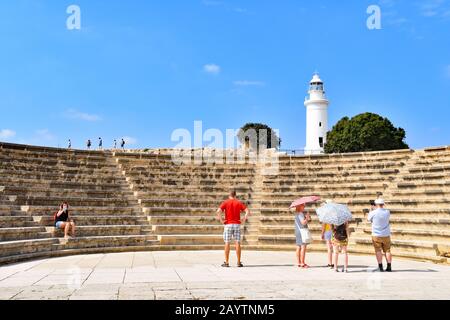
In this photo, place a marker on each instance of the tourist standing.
(69, 144)
(88, 144)
(302, 234)
(232, 225)
(122, 144)
(381, 234)
(100, 143)
(326, 236)
(339, 240)
(115, 144)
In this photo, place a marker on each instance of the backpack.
(340, 232)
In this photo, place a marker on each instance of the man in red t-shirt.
(232, 209)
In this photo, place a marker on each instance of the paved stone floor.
(198, 275)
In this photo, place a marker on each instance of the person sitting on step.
(63, 220)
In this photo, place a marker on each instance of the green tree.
(365, 132)
(255, 134)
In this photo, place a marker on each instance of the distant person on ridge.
(232, 229)
(122, 144)
(100, 143)
(115, 144)
(381, 234)
(88, 144)
(69, 145)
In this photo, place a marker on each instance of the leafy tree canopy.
(365, 132)
(255, 134)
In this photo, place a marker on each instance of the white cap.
(379, 201)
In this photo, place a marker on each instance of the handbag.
(306, 235)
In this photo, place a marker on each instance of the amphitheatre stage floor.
(198, 275)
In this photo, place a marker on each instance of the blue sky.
(141, 69)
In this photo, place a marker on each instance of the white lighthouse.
(316, 117)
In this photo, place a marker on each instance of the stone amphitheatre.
(130, 201)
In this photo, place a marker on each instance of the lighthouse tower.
(316, 117)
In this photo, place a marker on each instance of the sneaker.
(225, 265)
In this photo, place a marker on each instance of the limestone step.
(180, 220)
(406, 203)
(301, 175)
(146, 197)
(220, 189)
(193, 169)
(72, 200)
(104, 230)
(94, 220)
(312, 181)
(82, 210)
(19, 233)
(428, 177)
(340, 168)
(285, 196)
(190, 239)
(183, 203)
(59, 192)
(430, 169)
(395, 212)
(192, 229)
(102, 241)
(424, 185)
(441, 235)
(13, 183)
(49, 177)
(58, 154)
(399, 246)
(8, 248)
(188, 181)
(326, 187)
(16, 221)
(43, 163)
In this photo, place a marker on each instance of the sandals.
(304, 266)
(227, 265)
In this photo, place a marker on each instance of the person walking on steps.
(232, 225)
(381, 234)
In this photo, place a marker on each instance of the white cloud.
(7, 134)
(212, 68)
(212, 3)
(247, 83)
(128, 140)
(435, 8)
(75, 114)
(44, 134)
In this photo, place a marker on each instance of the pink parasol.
(304, 200)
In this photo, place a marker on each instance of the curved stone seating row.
(144, 201)
(34, 181)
